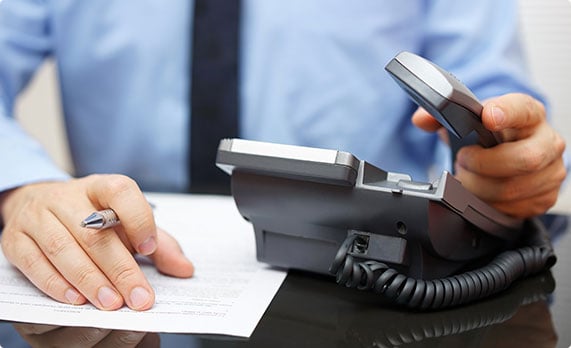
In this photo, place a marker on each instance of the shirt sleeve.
(24, 42)
(481, 44)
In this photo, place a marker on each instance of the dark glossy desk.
(311, 311)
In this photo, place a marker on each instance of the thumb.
(169, 257)
(515, 113)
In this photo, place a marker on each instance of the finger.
(151, 340)
(121, 338)
(493, 189)
(514, 110)
(116, 262)
(25, 255)
(514, 158)
(423, 120)
(72, 261)
(108, 274)
(124, 196)
(69, 337)
(97, 264)
(530, 207)
(34, 329)
(169, 257)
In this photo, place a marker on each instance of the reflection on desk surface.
(312, 311)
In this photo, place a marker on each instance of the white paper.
(228, 294)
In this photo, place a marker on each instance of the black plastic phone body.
(420, 244)
(303, 202)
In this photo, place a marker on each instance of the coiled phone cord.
(406, 329)
(412, 329)
(454, 290)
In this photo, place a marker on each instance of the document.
(228, 294)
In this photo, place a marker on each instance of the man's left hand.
(521, 176)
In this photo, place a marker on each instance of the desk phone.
(423, 245)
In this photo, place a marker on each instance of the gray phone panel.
(303, 202)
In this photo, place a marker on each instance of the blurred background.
(546, 27)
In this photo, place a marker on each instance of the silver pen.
(101, 219)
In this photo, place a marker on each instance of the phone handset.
(445, 97)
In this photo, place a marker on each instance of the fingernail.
(72, 296)
(148, 246)
(498, 116)
(107, 297)
(139, 297)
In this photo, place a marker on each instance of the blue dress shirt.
(311, 74)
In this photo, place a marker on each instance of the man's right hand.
(43, 238)
(39, 335)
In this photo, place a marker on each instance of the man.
(310, 74)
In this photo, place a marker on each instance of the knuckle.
(85, 274)
(540, 209)
(560, 145)
(91, 335)
(560, 175)
(550, 200)
(56, 245)
(117, 184)
(27, 261)
(52, 283)
(27, 213)
(531, 159)
(55, 194)
(510, 191)
(143, 223)
(533, 107)
(96, 241)
(543, 203)
(122, 272)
